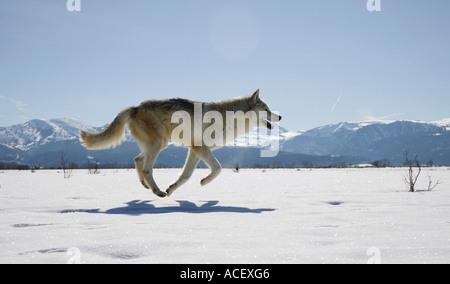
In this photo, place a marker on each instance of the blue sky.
(315, 61)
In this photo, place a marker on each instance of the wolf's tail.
(112, 136)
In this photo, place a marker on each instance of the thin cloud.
(368, 116)
(336, 103)
(390, 116)
(18, 105)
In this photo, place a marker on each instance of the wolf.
(153, 123)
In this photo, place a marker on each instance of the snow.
(262, 137)
(443, 123)
(292, 134)
(254, 216)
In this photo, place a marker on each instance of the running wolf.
(154, 123)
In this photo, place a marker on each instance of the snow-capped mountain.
(375, 139)
(40, 131)
(263, 137)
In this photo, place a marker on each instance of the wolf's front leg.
(189, 167)
(207, 156)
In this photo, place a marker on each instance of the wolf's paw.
(144, 184)
(169, 192)
(171, 189)
(161, 194)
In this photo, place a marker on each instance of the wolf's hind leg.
(139, 162)
(207, 156)
(147, 172)
(189, 167)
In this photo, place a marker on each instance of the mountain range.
(377, 140)
(41, 142)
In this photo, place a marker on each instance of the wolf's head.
(262, 109)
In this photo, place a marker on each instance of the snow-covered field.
(254, 216)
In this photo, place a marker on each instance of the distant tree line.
(13, 166)
(386, 163)
(70, 165)
(93, 166)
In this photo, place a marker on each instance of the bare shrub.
(430, 183)
(66, 166)
(412, 176)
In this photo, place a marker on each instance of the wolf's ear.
(255, 97)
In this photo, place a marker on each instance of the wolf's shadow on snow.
(143, 207)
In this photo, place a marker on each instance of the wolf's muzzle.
(272, 117)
